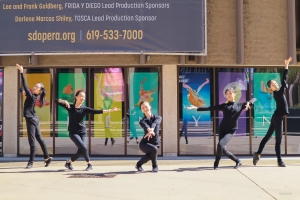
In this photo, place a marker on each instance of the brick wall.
(221, 31)
(265, 31)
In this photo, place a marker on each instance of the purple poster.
(237, 81)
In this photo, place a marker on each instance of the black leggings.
(224, 138)
(150, 151)
(80, 141)
(277, 125)
(33, 131)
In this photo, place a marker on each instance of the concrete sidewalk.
(178, 178)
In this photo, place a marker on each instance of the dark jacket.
(153, 122)
(231, 113)
(30, 100)
(281, 103)
(76, 116)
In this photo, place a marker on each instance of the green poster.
(265, 104)
(108, 93)
(68, 85)
(143, 87)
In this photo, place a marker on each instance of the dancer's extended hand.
(286, 62)
(115, 109)
(19, 67)
(148, 135)
(247, 106)
(67, 104)
(64, 102)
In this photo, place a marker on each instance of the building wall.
(265, 37)
(221, 32)
(265, 28)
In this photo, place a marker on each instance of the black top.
(76, 115)
(231, 113)
(29, 103)
(153, 122)
(281, 103)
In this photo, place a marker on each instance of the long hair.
(42, 95)
(77, 93)
(269, 83)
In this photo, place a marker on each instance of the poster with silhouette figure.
(143, 86)
(108, 93)
(44, 113)
(67, 86)
(195, 92)
(238, 81)
(265, 104)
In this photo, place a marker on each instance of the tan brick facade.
(265, 24)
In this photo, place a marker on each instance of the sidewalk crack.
(257, 184)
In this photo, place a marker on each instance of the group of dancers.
(150, 123)
(77, 129)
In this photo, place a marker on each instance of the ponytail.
(42, 95)
(43, 98)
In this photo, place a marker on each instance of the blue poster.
(143, 87)
(265, 104)
(195, 93)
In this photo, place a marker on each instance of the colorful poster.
(265, 104)
(1, 105)
(238, 81)
(43, 113)
(143, 87)
(195, 93)
(108, 93)
(68, 84)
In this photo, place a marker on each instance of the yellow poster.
(44, 113)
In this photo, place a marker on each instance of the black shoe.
(238, 164)
(139, 168)
(281, 164)
(137, 142)
(255, 158)
(29, 165)
(186, 142)
(113, 142)
(155, 169)
(216, 165)
(89, 167)
(47, 162)
(69, 166)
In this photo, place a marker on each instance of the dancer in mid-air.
(32, 121)
(193, 95)
(150, 142)
(228, 126)
(76, 127)
(277, 118)
(144, 94)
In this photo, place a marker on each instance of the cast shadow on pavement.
(124, 172)
(32, 171)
